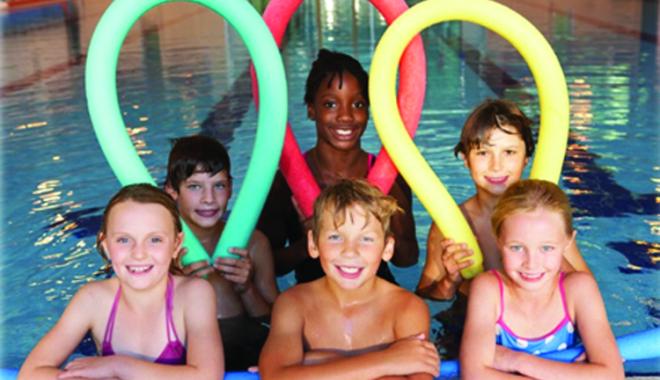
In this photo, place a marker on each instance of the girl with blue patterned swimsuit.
(530, 307)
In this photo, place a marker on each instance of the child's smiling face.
(532, 244)
(140, 240)
(202, 198)
(497, 162)
(351, 253)
(340, 111)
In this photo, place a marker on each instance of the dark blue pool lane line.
(593, 192)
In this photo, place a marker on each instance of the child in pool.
(336, 95)
(349, 324)
(147, 323)
(532, 297)
(199, 179)
(496, 143)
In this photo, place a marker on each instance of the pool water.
(184, 71)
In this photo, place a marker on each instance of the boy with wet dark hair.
(199, 180)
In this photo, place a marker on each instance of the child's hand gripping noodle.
(531, 307)
(349, 323)
(146, 322)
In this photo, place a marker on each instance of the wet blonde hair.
(529, 195)
(336, 199)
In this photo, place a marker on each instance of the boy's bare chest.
(348, 329)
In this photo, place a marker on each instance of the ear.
(104, 245)
(526, 161)
(311, 114)
(178, 242)
(573, 236)
(388, 250)
(463, 157)
(171, 191)
(312, 249)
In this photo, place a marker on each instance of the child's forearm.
(367, 366)
(539, 368)
(442, 289)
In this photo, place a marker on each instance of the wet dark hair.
(331, 65)
(194, 154)
(491, 114)
(140, 193)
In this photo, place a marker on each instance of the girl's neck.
(533, 300)
(329, 164)
(140, 301)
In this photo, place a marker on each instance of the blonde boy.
(349, 324)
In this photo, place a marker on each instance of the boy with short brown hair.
(349, 323)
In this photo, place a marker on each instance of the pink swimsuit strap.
(562, 292)
(174, 352)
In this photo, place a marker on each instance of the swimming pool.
(184, 71)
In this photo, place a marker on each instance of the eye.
(547, 248)
(333, 236)
(329, 104)
(122, 240)
(515, 248)
(368, 239)
(360, 104)
(156, 240)
(220, 186)
(193, 186)
(510, 152)
(480, 152)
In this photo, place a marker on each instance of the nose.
(349, 249)
(138, 251)
(495, 162)
(207, 195)
(531, 259)
(345, 112)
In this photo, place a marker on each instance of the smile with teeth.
(139, 269)
(349, 272)
(531, 276)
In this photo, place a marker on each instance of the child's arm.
(204, 359)
(441, 276)
(477, 355)
(252, 275)
(283, 354)
(402, 224)
(603, 359)
(54, 348)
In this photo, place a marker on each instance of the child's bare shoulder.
(580, 283)
(191, 286)
(93, 291)
(486, 285)
(401, 300)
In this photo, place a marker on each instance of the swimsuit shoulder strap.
(110, 325)
(500, 284)
(562, 292)
(169, 306)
